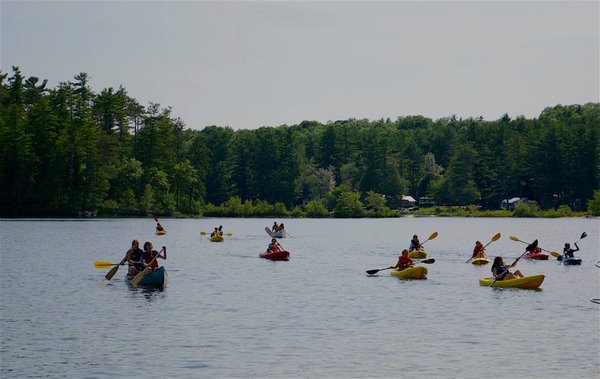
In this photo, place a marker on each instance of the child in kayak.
(478, 250)
(500, 270)
(415, 245)
(568, 252)
(404, 261)
(274, 246)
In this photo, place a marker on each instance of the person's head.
(281, 225)
(135, 244)
(478, 243)
(567, 245)
(415, 237)
(273, 240)
(497, 262)
(220, 227)
(405, 253)
(148, 245)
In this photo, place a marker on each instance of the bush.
(594, 204)
(526, 209)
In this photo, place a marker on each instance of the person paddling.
(134, 258)
(415, 245)
(478, 250)
(148, 261)
(501, 272)
(274, 246)
(404, 261)
(568, 251)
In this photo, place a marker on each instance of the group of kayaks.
(526, 282)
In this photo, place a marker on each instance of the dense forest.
(68, 149)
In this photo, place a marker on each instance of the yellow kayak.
(481, 261)
(419, 254)
(414, 272)
(526, 282)
(216, 239)
(160, 232)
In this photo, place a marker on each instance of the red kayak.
(537, 256)
(282, 255)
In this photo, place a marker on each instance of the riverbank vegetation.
(68, 149)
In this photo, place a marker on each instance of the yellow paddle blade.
(432, 236)
(496, 237)
(514, 238)
(136, 279)
(103, 264)
(203, 233)
(229, 234)
(555, 254)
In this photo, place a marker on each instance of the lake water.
(228, 313)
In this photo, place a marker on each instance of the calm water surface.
(228, 313)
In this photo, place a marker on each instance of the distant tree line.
(68, 149)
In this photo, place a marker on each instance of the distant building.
(407, 201)
(424, 201)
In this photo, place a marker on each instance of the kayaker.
(414, 244)
(149, 254)
(134, 258)
(215, 232)
(221, 230)
(274, 246)
(568, 252)
(159, 227)
(501, 272)
(478, 250)
(275, 227)
(404, 261)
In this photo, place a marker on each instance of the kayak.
(536, 256)
(282, 255)
(216, 239)
(569, 261)
(526, 282)
(279, 234)
(156, 278)
(418, 254)
(160, 232)
(481, 261)
(414, 272)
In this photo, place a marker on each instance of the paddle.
(114, 270)
(104, 264)
(372, 272)
(229, 234)
(529, 248)
(269, 232)
(141, 274)
(496, 237)
(432, 236)
(583, 235)
(553, 253)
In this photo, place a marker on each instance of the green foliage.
(526, 209)
(316, 209)
(594, 204)
(67, 149)
(348, 205)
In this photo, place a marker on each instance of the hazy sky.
(252, 64)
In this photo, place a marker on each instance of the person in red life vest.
(148, 261)
(274, 246)
(404, 261)
(478, 250)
